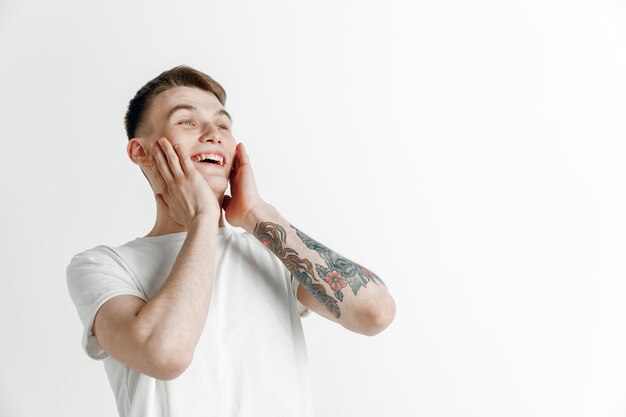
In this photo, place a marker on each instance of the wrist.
(259, 212)
(204, 221)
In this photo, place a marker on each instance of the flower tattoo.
(335, 280)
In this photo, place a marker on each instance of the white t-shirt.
(251, 358)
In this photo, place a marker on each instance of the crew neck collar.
(176, 236)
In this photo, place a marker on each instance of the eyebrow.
(189, 107)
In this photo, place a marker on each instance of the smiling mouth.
(209, 159)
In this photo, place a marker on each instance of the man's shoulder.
(102, 254)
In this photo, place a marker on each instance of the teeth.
(210, 156)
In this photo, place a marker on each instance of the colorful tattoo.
(338, 273)
(273, 236)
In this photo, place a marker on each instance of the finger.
(238, 156)
(185, 160)
(172, 157)
(162, 165)
(245, 159)
(160, 183)
(242, 156)
(235, 157)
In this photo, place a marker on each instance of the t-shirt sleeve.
(302, 310)
(94, 277)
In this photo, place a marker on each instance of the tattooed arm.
(330, 284)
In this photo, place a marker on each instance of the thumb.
(226, 201)
(162, 203)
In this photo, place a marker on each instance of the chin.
(218, 185)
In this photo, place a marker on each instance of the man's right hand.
(184, 193)
(158, 337)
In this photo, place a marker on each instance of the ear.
(138, 152)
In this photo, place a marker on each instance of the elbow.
(166, 363)
(382, 318)
(379, 317)
(170, 368)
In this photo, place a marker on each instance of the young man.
(197, 319)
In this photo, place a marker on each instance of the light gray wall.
(471, 153)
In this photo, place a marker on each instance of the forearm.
(172, 321)
(349, 293)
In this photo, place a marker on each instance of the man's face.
(197, 121)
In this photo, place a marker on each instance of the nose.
(211, 134)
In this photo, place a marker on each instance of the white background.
(470, 153)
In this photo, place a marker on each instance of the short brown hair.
(181, 76)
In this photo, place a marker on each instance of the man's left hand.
(240, 207)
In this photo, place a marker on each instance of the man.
(197, 319)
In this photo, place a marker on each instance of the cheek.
(175, 136)
(231, 147)
(171, 134)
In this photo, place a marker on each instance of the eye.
(223, 127)
(186, 122)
